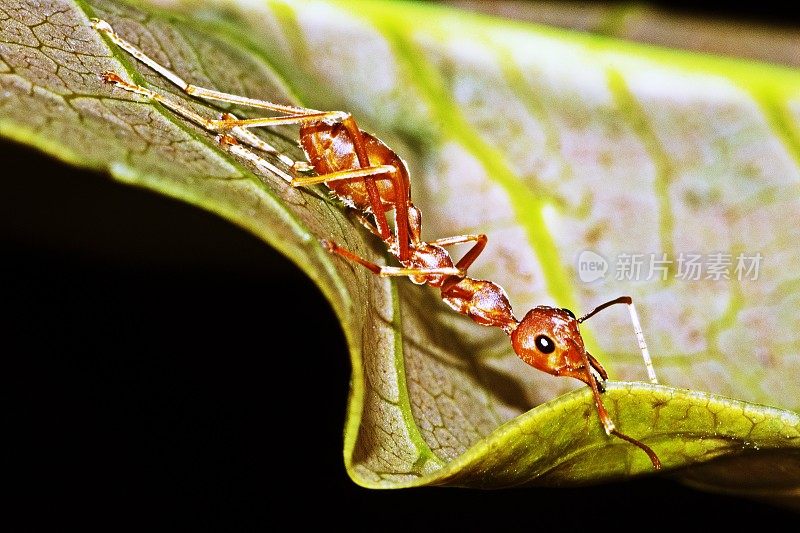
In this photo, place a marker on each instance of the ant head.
(549, 340)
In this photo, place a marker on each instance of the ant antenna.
(637, 329)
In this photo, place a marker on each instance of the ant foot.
(109, 76)
(100, 25)
(223, 119)
(301, 166)
(222, 124)
(329, 246)
(116, 80)
(226, 140)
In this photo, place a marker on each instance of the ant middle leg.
(387, 271)
(466, 261)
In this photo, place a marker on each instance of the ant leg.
(228, 140)
(237, 128)
(192, 90)
(371, 175)
(368, 172)
(347, 121)
(401, 192)
(605, 419)
(466, 261)
(386, 271)
(175, 107)
(257, 142)
(457, 239)
(367, 223)
(210, 94)
(230, 144)
(637, 329)
(298, 118)
(375, 173)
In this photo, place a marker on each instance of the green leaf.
(552, 142)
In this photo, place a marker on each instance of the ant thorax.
(425, 256)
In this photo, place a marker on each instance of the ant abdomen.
(330, 149)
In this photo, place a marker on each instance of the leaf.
(553, 142)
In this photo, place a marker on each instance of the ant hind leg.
(227, 139)
(207, 94)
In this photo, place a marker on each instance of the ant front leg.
(465, 262)
(608, 425)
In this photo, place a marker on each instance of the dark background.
(139, 385)
(761, 11)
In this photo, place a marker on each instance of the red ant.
(371, 178)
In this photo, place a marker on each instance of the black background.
(139, 388)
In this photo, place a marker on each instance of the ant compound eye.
(545, 344)
(570, 313)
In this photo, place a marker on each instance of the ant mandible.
(368, 176)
